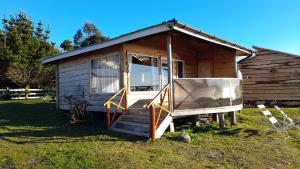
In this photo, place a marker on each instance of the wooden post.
(123, 66)
(108, 115)
(215, 117)
(169, 99)
(152, 122)
(126, 99)
(57, 88)
(232, 118)
(172, 128)
(221, 120)
(196, 120)
(124, 72)
(170, 69)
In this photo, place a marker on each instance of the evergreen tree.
(88, 35)
(78, 37)
(67, 45)
(21, 48)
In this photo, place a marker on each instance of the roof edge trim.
(124, 38)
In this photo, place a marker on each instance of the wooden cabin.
(152, 76)
(271, 77)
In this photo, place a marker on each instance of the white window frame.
(129, 73)
(90, 72)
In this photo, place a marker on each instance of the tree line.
(89, 34)
(23, 44)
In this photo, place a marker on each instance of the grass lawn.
(34, 135)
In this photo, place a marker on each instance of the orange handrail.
(154, 119)
(108, 103)
(158, 94)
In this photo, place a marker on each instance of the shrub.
(26, 92)
(78, 112)
(7, 95)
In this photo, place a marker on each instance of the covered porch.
(174, 74)
(202, 75)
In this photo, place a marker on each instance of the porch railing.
(193, 93)
(152, 105)
(124, 94)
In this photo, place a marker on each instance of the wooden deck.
(190, 112)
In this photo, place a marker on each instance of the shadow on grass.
(230, 132)
(251, 132)
(214, 129)
(25, 122)
(205, 128)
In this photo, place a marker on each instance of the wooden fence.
(19, 93)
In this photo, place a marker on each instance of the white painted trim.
(163, 126)
(207, 39)
(118, 40)
(190, 112)
(129, 74)
(227, 78)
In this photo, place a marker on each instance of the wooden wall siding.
(156, 46)
(74, 77)
(220, 62)
(271, 76)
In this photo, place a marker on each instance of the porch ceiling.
(192, 43)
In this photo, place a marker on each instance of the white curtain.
(105, 74)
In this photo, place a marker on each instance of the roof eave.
(128, 37)
(165, 26)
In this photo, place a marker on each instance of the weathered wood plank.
(271, 75)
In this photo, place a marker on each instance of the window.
(177, 70)
(164, 73)
(144, 73)
(105, 74)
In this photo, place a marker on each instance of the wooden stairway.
(136, 121)
(148, 118)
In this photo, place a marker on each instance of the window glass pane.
(164, 73)
(144, 73)
(105, 74)
(177, 71)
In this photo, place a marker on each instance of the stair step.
(136, 133)
(136, 127)
(138, 111)
(139, 118)
(136, 118)
(140, 103)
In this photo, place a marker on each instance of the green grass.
(34, 135)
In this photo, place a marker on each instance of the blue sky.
(268, 23)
